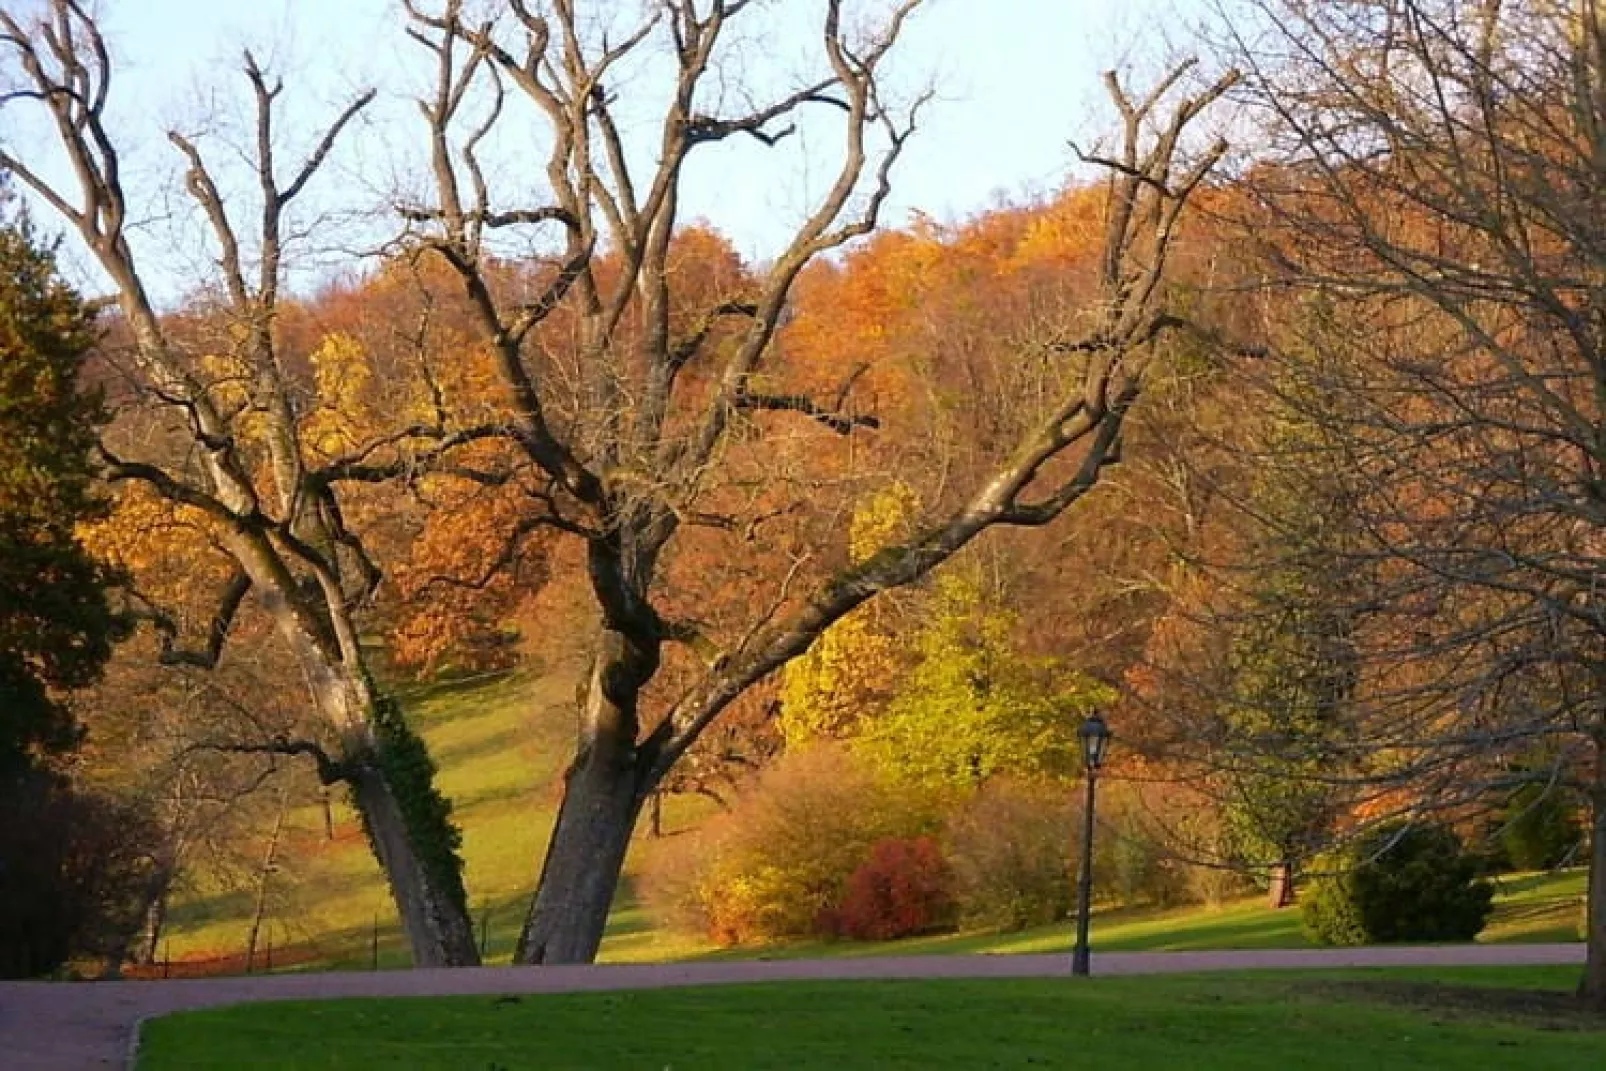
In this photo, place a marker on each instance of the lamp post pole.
(1084, 884)
(1095, 736)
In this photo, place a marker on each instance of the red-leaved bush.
(903, 888)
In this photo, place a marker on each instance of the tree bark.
(1592, 990)
(583, 864)
(439, 933)
(1281, 894)
(407, 841)
(155, 920)
(434, 914)
(603, 796)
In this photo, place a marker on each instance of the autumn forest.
(1276, 433)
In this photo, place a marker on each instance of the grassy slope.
(1528, 907)
(1202, 1021)
(501, 747)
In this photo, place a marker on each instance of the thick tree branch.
(838, 421)
(331, 771)
(217, 632)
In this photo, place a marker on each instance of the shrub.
(1397, 883)
(902, 889)
(670, 878)
(1131, 866)
(778, 864)
(1210, 870)
(1329, 911)
(1009, 848)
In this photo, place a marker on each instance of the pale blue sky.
(1015, 80)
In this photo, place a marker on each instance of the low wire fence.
(379, 946)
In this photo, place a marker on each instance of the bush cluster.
(779, 865)
(820, 846)
(1134, 860)
(1397, 883)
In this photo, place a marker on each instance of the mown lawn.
(1520, 1017)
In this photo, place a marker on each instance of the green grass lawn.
(1373, 1019)
(501, 745)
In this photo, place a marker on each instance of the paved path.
(65, 1026)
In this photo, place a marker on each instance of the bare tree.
(632, 461)
(1435, 206)
(220, 415)
(167, 736)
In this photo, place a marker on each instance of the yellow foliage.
(343, 374)
(881, 520)
(973, 705)
(848, 672)
(853, 667)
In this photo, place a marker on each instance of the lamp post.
(1095, 738)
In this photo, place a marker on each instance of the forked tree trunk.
(603, 795)
(1592, 990)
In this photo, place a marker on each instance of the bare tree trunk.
(155, 920)
(1282, 886)
(604, 793)
(583, 864)
(1592, 990)
(156, 894)
(644, 451)
(280, 520)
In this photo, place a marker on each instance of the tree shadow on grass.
(465, 752)
(1540, 1009)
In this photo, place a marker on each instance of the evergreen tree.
(56, 626)
(1292, 674)
(71, 864)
